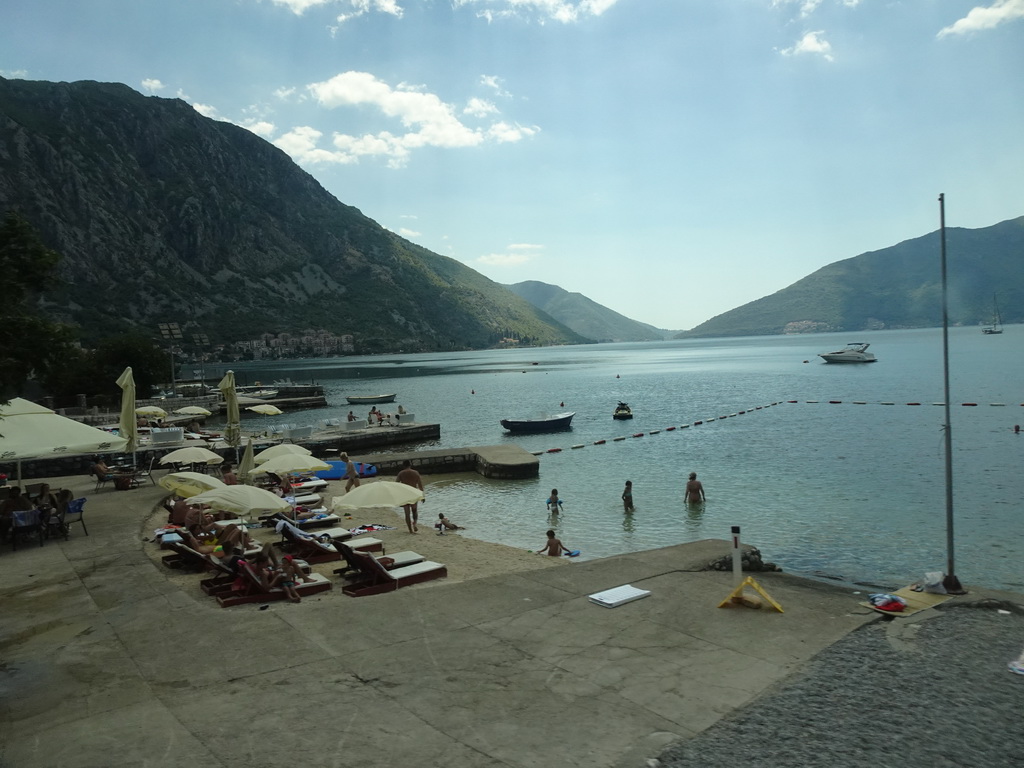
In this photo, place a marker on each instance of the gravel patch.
(906, 693)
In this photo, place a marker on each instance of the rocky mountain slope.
(896, 287)
(163, 215)
(586, 317)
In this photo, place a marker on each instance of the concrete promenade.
(105, 660)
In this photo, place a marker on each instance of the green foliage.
(34, 347)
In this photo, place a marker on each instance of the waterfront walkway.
(107, 661)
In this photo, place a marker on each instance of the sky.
(669, 159)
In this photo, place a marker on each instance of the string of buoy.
(697, 423)
(891, 402)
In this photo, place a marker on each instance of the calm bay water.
(851, 490)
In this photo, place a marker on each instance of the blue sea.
(853, 489)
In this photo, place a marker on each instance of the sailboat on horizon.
(996, 326)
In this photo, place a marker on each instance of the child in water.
(554, 547)
(554, 503)
(627, 497)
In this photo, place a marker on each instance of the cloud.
(808, 7)
(425, 119)
(985, 17)
(566, 11)
(206, 111)
(14, 74)
(153, 85)
(408, 232)
(261, 128)
(811, 43)
(514, 255)
(298, 7)
(479, 108)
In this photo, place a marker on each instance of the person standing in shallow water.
(694, 490)
(627, 497)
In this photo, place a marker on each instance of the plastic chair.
(73, 514)
(101, 481)
(25, 522)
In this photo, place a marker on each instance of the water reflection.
(694, 517)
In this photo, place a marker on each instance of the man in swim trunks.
(410, 476)
(350, 473)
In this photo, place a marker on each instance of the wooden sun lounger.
(394, 560)
(375, 578)
(247, 588)
(321, 548)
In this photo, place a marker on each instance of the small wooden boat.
(370, 399)
(622, 411)
(542, 424)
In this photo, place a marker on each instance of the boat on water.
(370, 399)
(622, 411)
(996, 326)
(540, 424)
(854, 352)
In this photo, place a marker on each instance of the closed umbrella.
(247, 465)
(284, 449)
(233, 428)
(382, 493)
(292, 463)
(191, 455)
(193, 410)
(265, 410)
(128, 426)
(241, 500)
(189, 484)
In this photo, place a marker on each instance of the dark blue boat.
(542, 424)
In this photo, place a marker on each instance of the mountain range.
(896, 287)
(163, 215)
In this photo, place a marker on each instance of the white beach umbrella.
(30, 431)
(265, 410)
(192, 455)
(382, 493)
(193, 410)
(189, 484)
(283, 449)
(241, 500)
(151, 410)
(292, 463)
(128, 426)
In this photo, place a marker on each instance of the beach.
(467, 558)
(112, 659)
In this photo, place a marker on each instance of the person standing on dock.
(410, 476)
(350, 473)
(694, 490)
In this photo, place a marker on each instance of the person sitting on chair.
(100, 470)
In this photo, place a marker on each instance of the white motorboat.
(854, 352)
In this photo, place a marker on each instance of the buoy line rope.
(697, 423)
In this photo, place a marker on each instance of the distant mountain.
(896, 287)
(162, 215)
(586, 317)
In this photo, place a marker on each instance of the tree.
(150, 364)
(34, 346)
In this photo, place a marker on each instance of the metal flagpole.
(951, 582)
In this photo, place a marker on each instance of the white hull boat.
(854, 352)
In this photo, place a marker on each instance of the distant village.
(275, 346)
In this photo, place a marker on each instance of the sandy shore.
(465, 557)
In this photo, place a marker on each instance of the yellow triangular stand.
(736, 596)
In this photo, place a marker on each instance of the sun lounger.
(320, 548)
(247, 588)
(374, 578)
(309, 486)
(394, 560)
